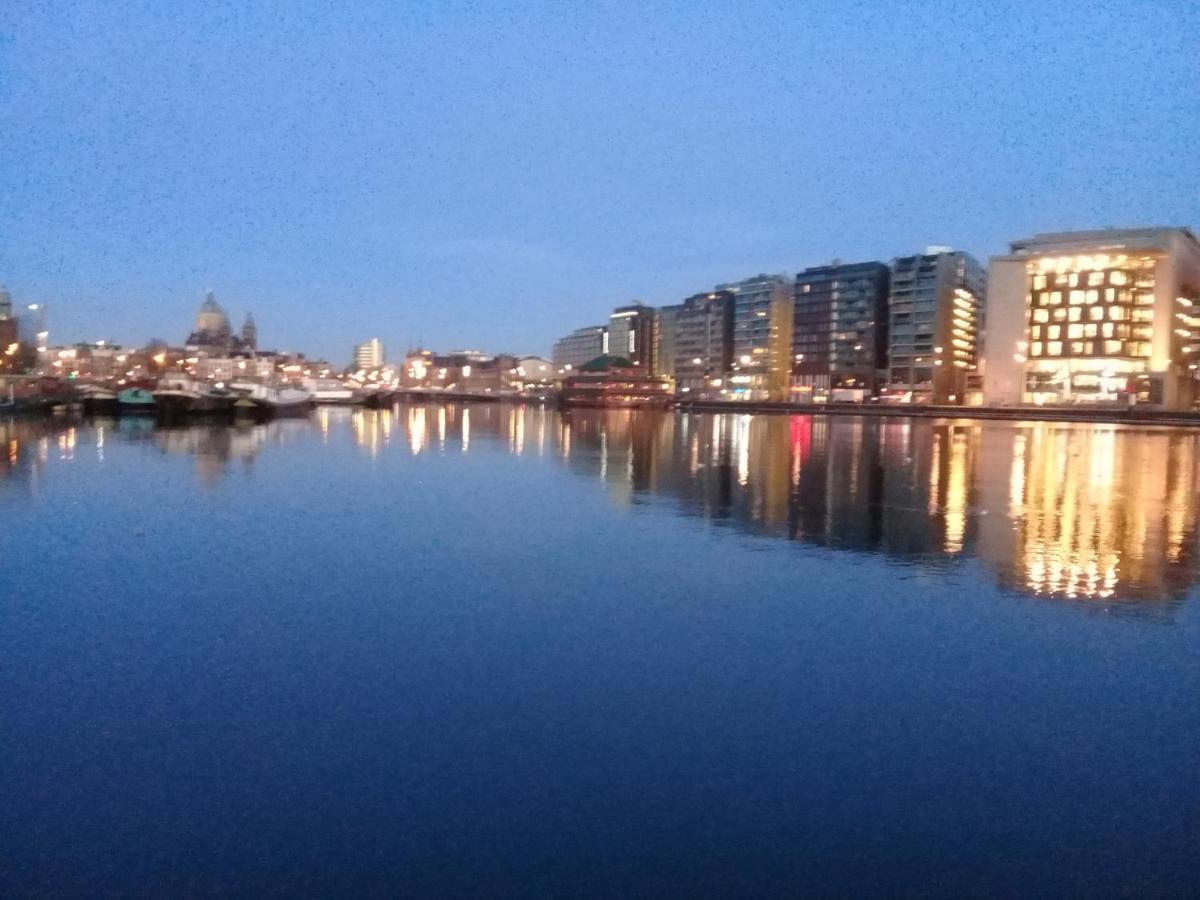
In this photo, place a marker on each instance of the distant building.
(666, 340)
(369, 355)
(249, 333)
(8, 324)
(632, 334)
(580, 346)
(935, 306)
(32, 328)
(534, 372)
(614, 381)
(839, 336)
(1095, 317)
(762, 337)
(704, 342)
(212, 328)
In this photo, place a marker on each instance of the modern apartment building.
(762, 337)
(633, 334)
(934, 324)
(369, 354)
(1097, 317)
(839, 336)
(704, 343)
(580, 346)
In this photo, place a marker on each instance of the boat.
(378, 397)
(98, 400)
(136, 401)
(262, 401)
(331, 392)
(613, 382)
(179, 397)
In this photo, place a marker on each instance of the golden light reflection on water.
(1103, 513)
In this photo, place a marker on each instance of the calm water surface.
(492, 651)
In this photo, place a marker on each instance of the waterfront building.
(632, 334)
(1096, 317)
(935, 305)
(704, 343)
(762, 337)
(666, 341)
(534, 373)
(368, 355)
(839, 336)
(8, 325)
(614, 381)
(580, 346)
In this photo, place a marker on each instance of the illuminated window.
(1074, 331)
(1141, 332)
(1077, 296)
(1054, 348)
(1054, 331)
(1036, 332)
(1107, 329)
(1039, 282)
(1077, 348)
(1139, 349)
(1053, 298)
(1074, 282)
(1118, 313)
(1145, 298)
(1110, 294)
(1118, 278)
(1095, 278)
(1096, 313)
(1075, 314)
(1041, 315)
(1036, 348)
(1093, 296)
(1089, 330)
(1113, 348)
(1143, 315)
(1060, 279)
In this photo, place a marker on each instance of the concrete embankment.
(1134, 416)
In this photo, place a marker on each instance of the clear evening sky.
(491, 176)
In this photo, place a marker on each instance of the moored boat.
(136, 401)
(378, 397)
(179, 397)
(261, 401)
(98, 400)
(331, 392)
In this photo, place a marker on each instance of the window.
(1054, 332)
(1041, 315)
(1077, 296)
(1035, 332)
(1118, 278)
(1093, 296)
(1096, 313)
(1113, 348)
(1074, 281)
(1107, 329)
(1074, 331)
(1036, 348)
(1089, 330)
(1060, 315)
(1075, 314)
(1118, 313)
(1039, 282)
(1054, 348)
(1095, 278)
(1053, 298)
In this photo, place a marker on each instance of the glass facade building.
(580, 346)
(839, 336)
(935, 310)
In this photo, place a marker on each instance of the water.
(486, 650)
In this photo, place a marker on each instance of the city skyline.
(462, 179)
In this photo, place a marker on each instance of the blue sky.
(493, 175)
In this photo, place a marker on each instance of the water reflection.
(1102, 513)
(1055, 510)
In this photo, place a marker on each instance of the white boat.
(265, 401)
(331, 392)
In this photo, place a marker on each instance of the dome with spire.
(212, 324)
